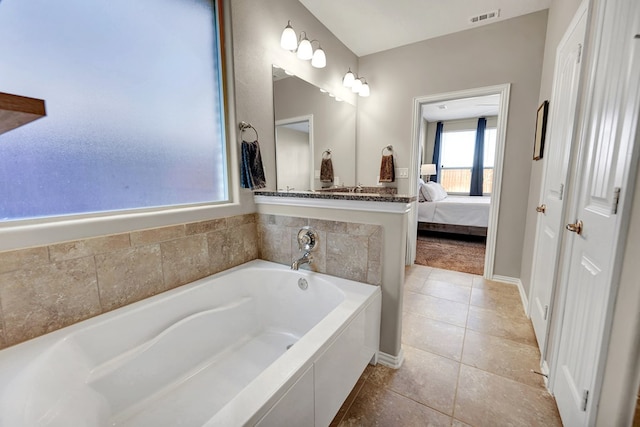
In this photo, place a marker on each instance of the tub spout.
(306, 259)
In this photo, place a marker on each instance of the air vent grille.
(484, 16)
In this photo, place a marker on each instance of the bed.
(455, 214)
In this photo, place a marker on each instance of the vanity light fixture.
(303, 48)
(289, 39)
(357, 84)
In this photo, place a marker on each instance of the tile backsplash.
(49, 287)
(345, 249)
(46, 288)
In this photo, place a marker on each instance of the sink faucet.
(306, 259)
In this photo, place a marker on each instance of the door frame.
(414, 161)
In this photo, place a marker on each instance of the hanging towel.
(326, 170)
(387, 169)
(251, 170)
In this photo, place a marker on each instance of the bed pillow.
(423, 193)
(436, 192)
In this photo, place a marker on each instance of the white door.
(594, 251)
(557, 157)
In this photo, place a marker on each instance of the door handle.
(576, 227)
(541, 208)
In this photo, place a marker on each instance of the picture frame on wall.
(541, 130)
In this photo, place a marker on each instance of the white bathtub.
(212, 353)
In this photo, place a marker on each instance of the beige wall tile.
(375, 245)
(248, 236)
(267, 219)
(235, 246)
(347, 256)
(3, 341)
(328, 226)
(218, 260)
(374, 273)
(205, 226)
(157, 235)
(239, 220)
(23, 258)
(88, 247)
(291, 221)
(129, 275)
(185, 260)
(45, 298)
(275, 243)
(361, 229)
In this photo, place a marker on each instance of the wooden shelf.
(16, 111)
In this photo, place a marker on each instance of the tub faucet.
(306, 259)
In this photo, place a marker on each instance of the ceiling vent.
(484, 16)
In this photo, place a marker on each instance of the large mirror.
(312, 126)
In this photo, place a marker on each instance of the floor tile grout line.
(418, 402)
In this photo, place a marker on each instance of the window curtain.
(477, 170)
(436, 150)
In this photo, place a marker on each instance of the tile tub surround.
(49, 287)
(345, 249)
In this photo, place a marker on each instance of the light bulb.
(305, 51)
(289, 40)
(357, 84)
(348, 79)
(364, 90)
(319, 59)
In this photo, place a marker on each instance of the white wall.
(510, 51)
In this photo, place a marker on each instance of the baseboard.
(518, 283)
(544, 368)
(391, 361)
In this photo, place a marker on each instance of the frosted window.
(134, 106)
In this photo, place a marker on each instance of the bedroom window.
(135, 106)
(456, 157)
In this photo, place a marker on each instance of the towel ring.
(327, 152)
(388, 147)
(244, 126)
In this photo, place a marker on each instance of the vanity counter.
(392, 203)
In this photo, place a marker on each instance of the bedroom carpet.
(451, 252)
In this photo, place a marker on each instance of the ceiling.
(480, 106)
(370, 26)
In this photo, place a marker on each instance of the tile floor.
(468, 348)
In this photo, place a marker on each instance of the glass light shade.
(357, 84)
(289, 39)
(428, 169)
(348, 79)
(305, 51)
(319, 59)
(364, 90)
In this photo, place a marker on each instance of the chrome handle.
(576, 227)
(541, 208)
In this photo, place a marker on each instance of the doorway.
(294, 148)
(502, 93)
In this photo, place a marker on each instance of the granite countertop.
(341, 195)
